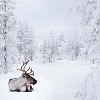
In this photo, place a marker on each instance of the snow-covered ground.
(58, 81)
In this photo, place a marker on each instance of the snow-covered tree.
(61, 47)
(90, 89)
(48, 51)
(53, 49)
(90, 14)
(6, 25)
(74, 47)
(44, 52)
(26, 42)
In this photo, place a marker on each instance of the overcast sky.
(47, 15)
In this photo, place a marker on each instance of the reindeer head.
(27, 74)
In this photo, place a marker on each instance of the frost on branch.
(90, 88)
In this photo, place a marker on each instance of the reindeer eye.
(24, 75)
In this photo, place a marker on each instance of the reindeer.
(24, 82)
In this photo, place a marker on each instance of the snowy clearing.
(59, 81)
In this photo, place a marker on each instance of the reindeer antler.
(31, 72)
(23, 65)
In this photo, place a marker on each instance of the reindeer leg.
(29, 88)
(18, 90)
(12, 90)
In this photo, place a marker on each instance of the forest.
(57, 50)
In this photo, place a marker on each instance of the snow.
(57, 81)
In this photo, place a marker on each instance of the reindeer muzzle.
(35, 81)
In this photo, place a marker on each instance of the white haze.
(48, 15)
